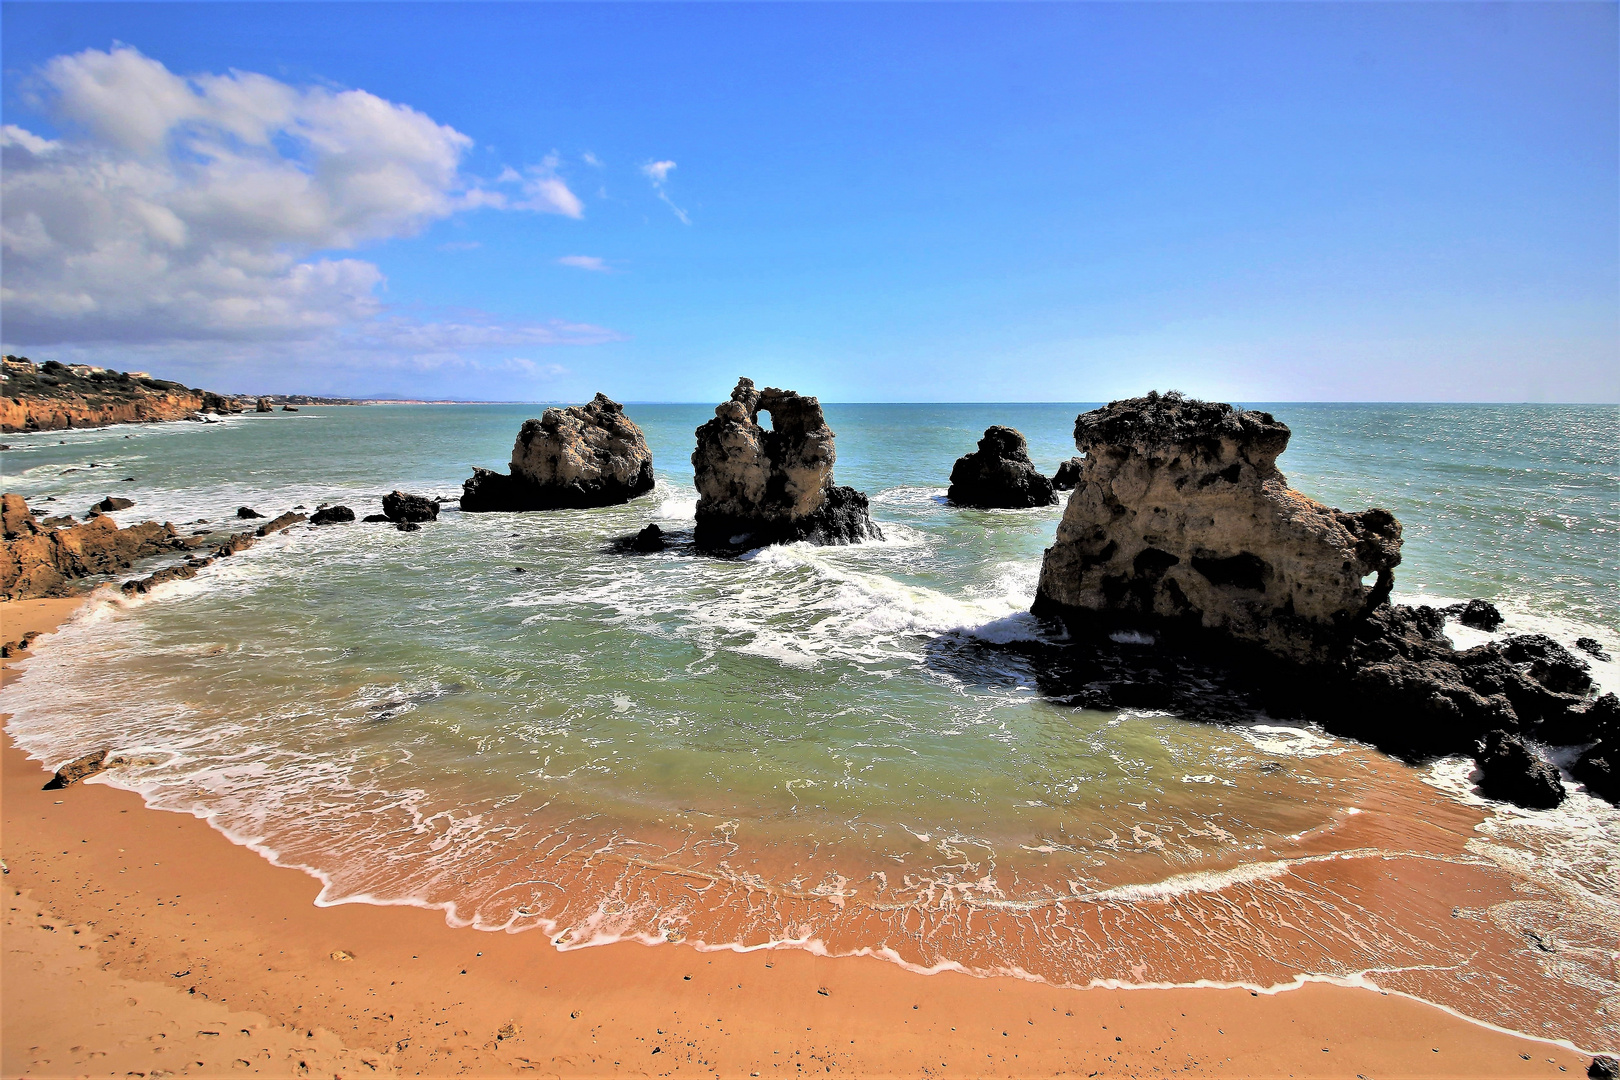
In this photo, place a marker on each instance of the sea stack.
(1181, 517)
(582, 456)
(999, 474)
(760, 486)
(1182, 526)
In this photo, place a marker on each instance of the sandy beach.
(144, 943)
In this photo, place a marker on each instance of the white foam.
(1292, 741)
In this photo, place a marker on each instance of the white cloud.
(467, 332)
(658, 172)
(542, 190)
(198, 208)
(592, 160)
(585, 262)
(461, 245)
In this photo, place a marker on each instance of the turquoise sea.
(828, 748)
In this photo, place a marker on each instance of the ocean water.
(832, 748)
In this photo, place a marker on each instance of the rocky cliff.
(581, 456)
(53, 396)
(1181, 516)
(39, 560)
(772, 485)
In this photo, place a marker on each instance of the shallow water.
(826, 747)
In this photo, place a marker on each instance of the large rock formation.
(584, 455)
(760, 486)
(38, 560)
(1181, 516)
(999, 474)
(1182, 527)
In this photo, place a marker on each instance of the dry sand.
(141, 943)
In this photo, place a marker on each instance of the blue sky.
(868, 202)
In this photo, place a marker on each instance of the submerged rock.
(247, 513)
(275, 525)
(331, 515)
(1067, 475)
(999, 474)
(398, 506)
(407, 526)
(582, 456)
(111, 503)
(374, 518)
(761, 486)
(649, 539)
(1181, 516)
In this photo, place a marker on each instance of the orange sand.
(144, 943)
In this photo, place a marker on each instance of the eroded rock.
(649, 539)
(1182, 529)
(111, 503)
(1181, 516)
(37, 560)
(1592, 647)
(1511, 772)
(276, 524)
(398, 506)
(1478, 614)
(331, 515)
(78, 769)
(999, 474)
(761, 486)
(1067, 475)
(582, 456)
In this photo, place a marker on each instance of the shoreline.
(178, 921)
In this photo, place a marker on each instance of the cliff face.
(38, 560)
(52, 396)
(1181, 515)
(581, 456)
(766, 486)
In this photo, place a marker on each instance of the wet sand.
(144, 943)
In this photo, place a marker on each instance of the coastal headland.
(145, 943)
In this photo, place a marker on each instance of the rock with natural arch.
(773, 485)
